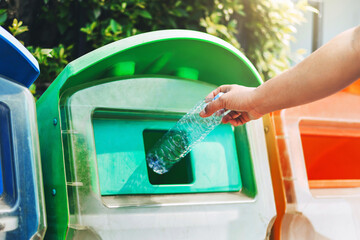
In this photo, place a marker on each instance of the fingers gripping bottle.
(180, 139)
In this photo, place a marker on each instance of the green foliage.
(51, 62)
(269, 29)
(3, 16)
(137, 16)
(17, 28)
(222, 21)
(32, 89)
(262, 29)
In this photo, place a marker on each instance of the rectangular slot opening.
(8, 181)
(332, 153)
(180, 173)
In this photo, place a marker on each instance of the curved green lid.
(181, 53)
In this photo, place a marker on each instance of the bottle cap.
(218, 95)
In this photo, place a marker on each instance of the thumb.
(213, 107)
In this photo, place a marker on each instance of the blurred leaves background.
(59, 31)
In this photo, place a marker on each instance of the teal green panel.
(122, 167)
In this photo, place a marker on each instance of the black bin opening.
(180, 173)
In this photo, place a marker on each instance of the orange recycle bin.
(314, 154)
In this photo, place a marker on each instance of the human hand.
(239, 99)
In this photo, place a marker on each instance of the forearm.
(326, 71)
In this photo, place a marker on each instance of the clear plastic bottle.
(180, 139)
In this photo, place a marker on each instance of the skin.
(326, 71)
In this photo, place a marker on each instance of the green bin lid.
(182, 53)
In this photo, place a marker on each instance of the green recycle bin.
(107, 109)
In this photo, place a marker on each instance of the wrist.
(257, 103)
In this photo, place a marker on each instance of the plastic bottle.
(180, 139)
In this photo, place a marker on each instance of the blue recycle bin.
(22, 212)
